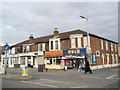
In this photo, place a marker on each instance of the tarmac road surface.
(104, 78)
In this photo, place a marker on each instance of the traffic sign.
(88, 50)
(97, 53)
(6, 47)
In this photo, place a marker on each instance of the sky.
(19, 19)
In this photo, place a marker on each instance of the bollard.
(24, 71)
(3, 69)
(65, 68)
(46, 69)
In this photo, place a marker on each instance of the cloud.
(40, 18)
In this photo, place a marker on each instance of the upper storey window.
(106, 45)
(76, 40)
(54, 44)
(102, 44)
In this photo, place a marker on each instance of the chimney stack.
(31, 37)
(56, 32)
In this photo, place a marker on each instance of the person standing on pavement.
(87, 67)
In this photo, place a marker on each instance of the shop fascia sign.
(31, 54)
(54, 53)
(74, 56)
(74, 51)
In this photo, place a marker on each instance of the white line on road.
(111, 77)
(39, 84)
(79, 87)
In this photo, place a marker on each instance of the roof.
(64, 35)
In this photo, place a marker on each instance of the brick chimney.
(31, 37)
(56, 32)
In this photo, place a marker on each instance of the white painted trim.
(103, 66)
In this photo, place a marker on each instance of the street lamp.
(88, 48)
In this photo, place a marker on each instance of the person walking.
(87, 67)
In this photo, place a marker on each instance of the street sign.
(6, 47)
(97, 53)
(88, 50)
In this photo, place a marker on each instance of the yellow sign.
(54, 53)
(73, 51)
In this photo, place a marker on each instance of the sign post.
(6, 48)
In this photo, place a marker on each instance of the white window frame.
(107, 58)
(79, 42)
(106, 45)
(111, 46)
(112, 58)
(39, 47)
(13, 50)
(115, 47)
(56, 45)
(43, 46)
(102, 44)
(103, 59)
(27, 48)
(73, 43)
(54, 39)
(116, 57)
(85, 42)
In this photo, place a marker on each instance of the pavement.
(102, 78)
(18, 77)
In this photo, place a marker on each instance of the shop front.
(74, 58)
(53, 59)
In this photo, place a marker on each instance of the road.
(104, 78)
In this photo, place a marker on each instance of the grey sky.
(40, 18)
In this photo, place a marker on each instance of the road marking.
(54, 81)
(111, 77)
(79, 87)
(39, 84)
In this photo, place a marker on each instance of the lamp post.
(88, 48)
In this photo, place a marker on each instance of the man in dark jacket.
(87, 67)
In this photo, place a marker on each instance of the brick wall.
(34, 47)
(96, 46)
(65, 44)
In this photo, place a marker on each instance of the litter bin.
(40, 68)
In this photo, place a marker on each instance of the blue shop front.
(74, 58)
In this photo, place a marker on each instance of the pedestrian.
(87, 67)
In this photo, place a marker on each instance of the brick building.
(68, 48)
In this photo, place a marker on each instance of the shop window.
(58, 62)
(49, 61)
(54, 61)
(11, 62)
(51, 45)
